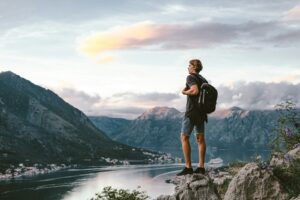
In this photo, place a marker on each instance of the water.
(83, 183)
(228, 155)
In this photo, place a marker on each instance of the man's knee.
(184, 138)
(200, 138)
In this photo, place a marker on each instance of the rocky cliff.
(278, 179)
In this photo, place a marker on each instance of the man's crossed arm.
(192, 91)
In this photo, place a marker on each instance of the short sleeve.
(190, 80)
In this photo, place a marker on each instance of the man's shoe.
(185, 171)
(200, 170)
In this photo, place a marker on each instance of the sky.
(120, 58)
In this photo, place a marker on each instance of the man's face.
(191, 68)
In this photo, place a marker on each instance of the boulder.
(297, 198)
(294, 154)
(288, 172)
(254, 182)
(192, 187)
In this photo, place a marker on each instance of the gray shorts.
(187, 127)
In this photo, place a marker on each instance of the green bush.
(109, 193)
(287, 132)
(287, 137)
(289, 177)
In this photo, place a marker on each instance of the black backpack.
(208, 95)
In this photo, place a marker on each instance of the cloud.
(105, 60)
(190, 35)
(79, 99)
(287, 78)
(292, 15)
(257, 95)
(288, 38)
(126, 105)
(163, 36)
(118, 38)
(174, 9)
(250, 96)
(147, 98)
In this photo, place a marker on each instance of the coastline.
(36, 169)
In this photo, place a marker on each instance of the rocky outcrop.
(286, 167)
(192, 187)
(297, 198)
(279, 179)
(294, 154)
(254, 182)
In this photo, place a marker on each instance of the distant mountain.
(159, 129)
(158, 113)
(36, 125)
(225, 113)
(109, 125)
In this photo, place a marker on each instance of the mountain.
(159, 129)
(158, 113)
(106, 123)
(36, 125)
(225, 113)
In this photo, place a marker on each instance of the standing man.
(193, 118)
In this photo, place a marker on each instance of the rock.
(289, 173)
(277, 160)
(219, 177)
(192, 187)
(252, 182)
(297, 198)
(294, 154)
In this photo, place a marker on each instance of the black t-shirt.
(192, 100)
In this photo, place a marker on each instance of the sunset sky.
(119, 58)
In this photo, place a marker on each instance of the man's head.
(195, 66)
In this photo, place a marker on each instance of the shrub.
(287, 132)
(109, 193)
(289, 177)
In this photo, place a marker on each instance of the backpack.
(208, 96)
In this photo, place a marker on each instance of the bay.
(83, 182)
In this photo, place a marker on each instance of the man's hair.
(197, 64)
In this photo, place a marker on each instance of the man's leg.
(186, 130)
(201, 149)
(186, 147)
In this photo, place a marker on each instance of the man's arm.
(192, 91)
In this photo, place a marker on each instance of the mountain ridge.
(36, 125)
(234, 128)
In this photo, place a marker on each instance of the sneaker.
(185, 171)
(200, 170)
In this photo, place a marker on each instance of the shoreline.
(22, 171)
(26, 171)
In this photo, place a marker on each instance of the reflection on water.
(83, 183)
(151, 179)
(77, 184)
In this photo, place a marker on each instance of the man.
(193, 118)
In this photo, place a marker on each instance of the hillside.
(36, 125)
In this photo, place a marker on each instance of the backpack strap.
(200, 79)
(201, 86)
(201, 82)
